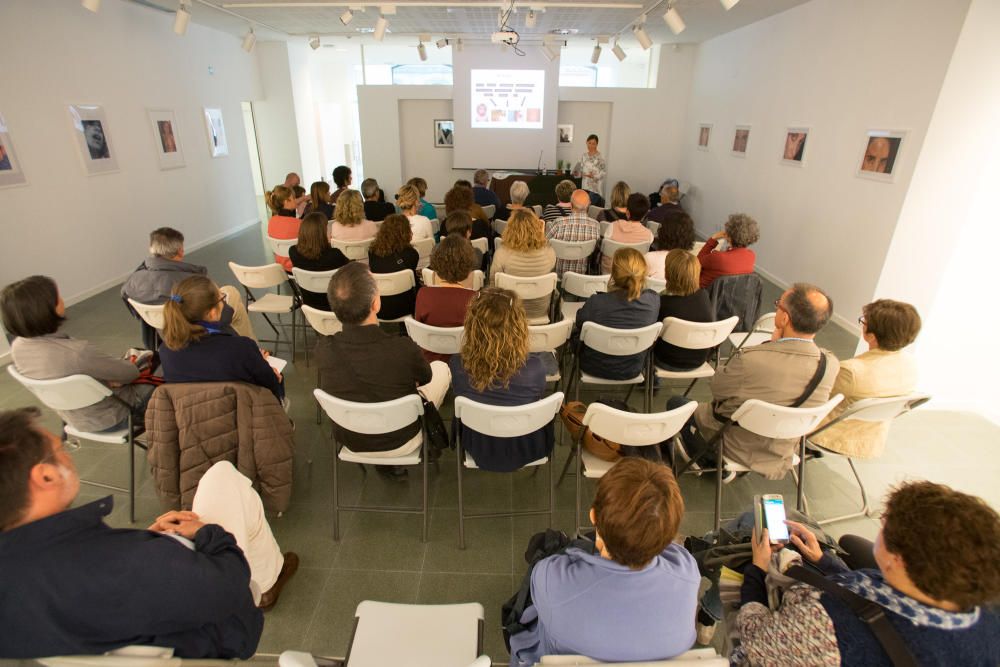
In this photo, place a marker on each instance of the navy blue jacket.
(611, 309)
(70, 584)
(485, 197)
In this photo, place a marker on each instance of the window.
(636, 71)
(393, 64)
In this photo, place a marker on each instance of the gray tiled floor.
(381, 557)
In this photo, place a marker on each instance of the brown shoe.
(288, 569)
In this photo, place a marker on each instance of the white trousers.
(434, 391)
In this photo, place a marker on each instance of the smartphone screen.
(774, 518)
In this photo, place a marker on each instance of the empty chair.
(536, 287)
(693, 336)
(266, 277)
(354, 250)
(583, 286)
(760, 333)
(617, 343)
(440, 340)
(547, 339)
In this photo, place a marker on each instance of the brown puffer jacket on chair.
(191, 426)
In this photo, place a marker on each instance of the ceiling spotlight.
(182, 19)
(530, 19)
(314, 42)
(92, 5)
(728, 4)
(618, 51)
(674, 21)
(441, 43)
(380, 25)
(640, 35)
(596, 55)
(249, 40)
(347, 17)
(422, 50)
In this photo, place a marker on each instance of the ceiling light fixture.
(640, 35)
(728, 4)
(92, 5)
(314, 42)
(347, 17)
(380, 25)
(249, 40)
(458, 45)
(441, 43)
(182, 19)
(618, 51)
(674, 21)
(422, 51)
(531, 19)
(596, 55)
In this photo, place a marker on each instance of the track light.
(728, 4)
(380, 25)
(441, 43)
(640, 35)
(314, 42)
(249, 40)
(674, 21)
(92, 5)
(531, 19)
(596, 55)
(347, 17)
(182, 19)
(422, 50)
(618, 51)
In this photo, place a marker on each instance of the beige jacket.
(192, 426)
(874, 374)
(776, 372)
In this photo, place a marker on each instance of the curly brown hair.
(394, 235)
(524, 231)
(453, 259)
(458, 199)
(676, 231)
(495, 345)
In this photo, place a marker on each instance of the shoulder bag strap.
(871, 614)
(813, 383)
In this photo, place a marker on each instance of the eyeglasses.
(778, 306)
(862, 321)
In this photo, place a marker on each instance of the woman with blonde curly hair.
(349, 222)
(525, 253)
(494, 368)
(740, 232)
(392, 251)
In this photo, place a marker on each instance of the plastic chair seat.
(471, 464)
(593, 379)
(756, 338)
(593, 467)
(411, 459)
(704, 371)
(416, 635)
(536, 321)
(119, 437)
(571, 308)
(272, 303)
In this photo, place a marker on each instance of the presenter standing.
(593, 169)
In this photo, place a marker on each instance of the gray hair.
(369, 188)
(804, 305)
(742, 230)
(351, 293)
(564, 190)
(481, 177)
(166, 242)
(518, 192)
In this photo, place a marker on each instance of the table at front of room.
(541, 187)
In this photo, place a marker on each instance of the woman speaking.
(593, 169)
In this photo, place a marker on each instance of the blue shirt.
(588, 605)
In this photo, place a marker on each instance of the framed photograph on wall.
(168, 146)
(880, 155)
(741, 138)
(444, 134)
(795, 146)
(565, 134)
(704, 134)
(90, 125)
(10, 167)
(216, 130)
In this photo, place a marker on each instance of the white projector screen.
(505, 109)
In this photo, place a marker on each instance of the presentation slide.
(507, 98)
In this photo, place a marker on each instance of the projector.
(501, 37)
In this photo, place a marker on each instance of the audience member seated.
(349, 222)
(626, 305)
(191, 582)
(525, 253)
(635, 598)
(33, 311)
(683, 300)
(153, 281)
(740, 232)
(425, 209)
(459, 198)
(302, 200)
(391, 252)
(459, 223)
(283, 223)
(669, 202)
(408, 201)
(293, 181)
(630, 228)
(313, 252)
(319, 200)
(198, 347)
(481, 190)
(444, 304)
(883, 371)
(675, 232)
(778, 372)
(575, 226)
(619, 204)
(364, 364)
(562, 207)
(932, 571)
(375, 208)
(342, 178)
(518, 195)
(495, 368)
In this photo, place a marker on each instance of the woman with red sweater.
(444, 304)
(283, 223)
(740, 232)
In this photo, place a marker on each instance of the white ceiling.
(284, 19)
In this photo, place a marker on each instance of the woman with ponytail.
(197, 347)
(626, 305)
(283, 223)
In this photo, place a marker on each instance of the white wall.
(840, 67)
(274, 115)
(419, 155)
(87, 232)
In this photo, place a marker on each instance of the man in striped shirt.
(576, 226)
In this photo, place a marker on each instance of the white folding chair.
(583, 286)
(693, 336)
(355, 250)
(609, 247)
(653, 226)
(312, 281)
(656, 284)
(538, 209)
(490, 210)
(497, 242)
(533, 287)
(373, 419)
(325, 323)
(424, 248)
(867, 410)
(547, 339)
(594, 211)
(435, 225)
(605, 226)
(696, 657)
(391, 284)
(265, 277)
(80, 391)
(619, 343)
(698, 245)
(499, 226)
(481, 244)
(439, 340)
(440, 210)
(501, 421)
(151, 314)
(280, 246)
(573, 250)
(417, 635)
(760, 333)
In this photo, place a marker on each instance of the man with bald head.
(577, 226)
(781, 371)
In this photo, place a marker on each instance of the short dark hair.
(459, 198)
(462, 183)
(564, 190)
(676, 231)
(340, 175)
(165, 242)
(805, 316)
(28, 307)
(457, 222)
(351, 292)
(638, 510)
(893, 323)
(22, 447)
(637, 205)
(594, 137)
(453, 259)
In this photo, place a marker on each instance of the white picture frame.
(166, 141)
(795, 144)
(93, 138)
(565, 134)
(704, 136)
(444, 133)
(215, 130)
(884, 155)
(741, 140)
(11, 173)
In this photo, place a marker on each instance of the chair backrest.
(605, 226)
(499, 226)
(435, 225)
(323, 321)
(150, 314)
(585, 286)
(497, 242)
(634, 428)
(538, 209)
(738, 295)
(548, 337)
(696, 335)
(69, 393)
(429, 277)
(882, 409)
(440, 340)
(696, 248)
(594, 211)
(356, 250)
(280, 246)
(780, 422)
(424, 247)
(490, 210)
(573, 249)
(259, 277)
(481, 244)
(371, 418)
(653, 226)
(313, 281)
(696, 657)
(421, 634)
(397, 282)
(656, 284)
(527, 288)
(619, 342)
(609, 247)
(440, 210)
(764, 323)
(507, 421)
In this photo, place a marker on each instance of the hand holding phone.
(805, 541)
(774, 517)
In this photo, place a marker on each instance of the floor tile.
(489, 590)
(286, 624)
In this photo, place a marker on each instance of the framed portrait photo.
(216, 130)
(880, 155)
(90, 126)
(444, 134)
(10, 167)
(794, 150)
(168, 146)
(741, 138)
(704, 135)
(565, 134)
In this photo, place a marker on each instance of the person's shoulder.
(680, 562)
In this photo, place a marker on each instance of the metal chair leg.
(425, 456)
(336, 498)
(800, 494)
(866, 509)
(718, 485)
(566, 465)
(131, 468)
(459, 455)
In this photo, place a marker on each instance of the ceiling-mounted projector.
(501, 37)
